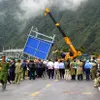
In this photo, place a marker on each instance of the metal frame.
(36, 36)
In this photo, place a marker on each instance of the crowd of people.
(13, 71)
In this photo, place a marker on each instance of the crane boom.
(67, 40)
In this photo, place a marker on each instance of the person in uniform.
(4, 66)
(93, 69)
(18, 71)
(67, 68)
(72, 71)
(97, 80)
(87, 68)
(80, 70)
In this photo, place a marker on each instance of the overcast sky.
(33, 8)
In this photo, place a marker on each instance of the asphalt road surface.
(42, 89)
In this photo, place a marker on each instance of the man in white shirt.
(56, 70)
(61, 69)
(45, 72)
(50, 69)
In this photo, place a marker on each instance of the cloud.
(34, 8)
(2, 13)
(3, 0)
(70, 4)
(0, 0)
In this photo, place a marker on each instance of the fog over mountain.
(80, 19)
(33, 8)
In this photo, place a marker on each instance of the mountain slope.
(81, 26)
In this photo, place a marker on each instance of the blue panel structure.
(44, 46)
(29, 50)
(37, 47)
(32, 42)
(40, 55)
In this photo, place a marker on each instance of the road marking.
(48, 85)
(87, 93)
(72, 92)
(77, 92)
(35, 93)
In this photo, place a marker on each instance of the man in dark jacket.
(31, 67)
(24, 68)
(11, 71)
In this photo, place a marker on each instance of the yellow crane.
(75, 53)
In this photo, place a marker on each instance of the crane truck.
(73, 52)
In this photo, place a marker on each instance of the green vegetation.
(81, 26)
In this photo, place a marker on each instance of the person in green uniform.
(80, 70)
(72, 70)
(97, 80)
(18, 71)
(4, 66)
(93, 69)
(67, 70)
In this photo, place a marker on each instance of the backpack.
(24, 66)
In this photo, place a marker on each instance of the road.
(42, 89)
